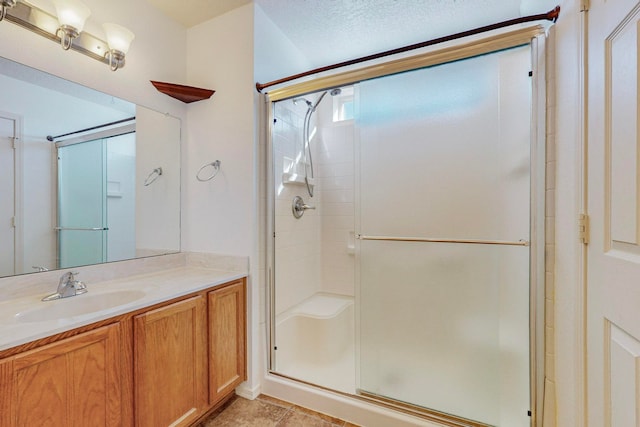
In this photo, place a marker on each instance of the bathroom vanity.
(166, 348)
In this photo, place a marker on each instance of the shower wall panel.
(335, 172)
(121, 197)
(297, 243)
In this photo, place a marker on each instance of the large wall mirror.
(85, 177)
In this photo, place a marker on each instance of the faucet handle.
(67, 277)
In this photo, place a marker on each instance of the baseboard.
(247, 392)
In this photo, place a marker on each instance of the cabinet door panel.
(6, 392)
(227, 340)
(42, 389)
(170, 364)
(73, 382)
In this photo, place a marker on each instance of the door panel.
(73, 382)
(7, 197)
(444, 154)
(170, 364)
(82, 204)
(613, 288)
(227, 340)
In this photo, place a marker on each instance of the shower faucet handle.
(299, 206)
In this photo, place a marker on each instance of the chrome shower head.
(296, 100)
(336, 91)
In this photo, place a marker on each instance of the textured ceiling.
(329, 31)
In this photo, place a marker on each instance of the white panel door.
(613, 280)
(7, 196)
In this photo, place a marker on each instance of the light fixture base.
(115, 59)
(4, 6)
(67, 33)
(46, 25)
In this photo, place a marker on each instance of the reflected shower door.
(444, 154)
(7, 197)
(82, 229)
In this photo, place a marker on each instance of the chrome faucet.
(67, 287)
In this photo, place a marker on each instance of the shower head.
(296, 100)
(336, 91)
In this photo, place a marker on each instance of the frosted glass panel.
(445, 326)
(81, 203)
(444, 152)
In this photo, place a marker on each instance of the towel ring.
(152, 176)
(216, 168)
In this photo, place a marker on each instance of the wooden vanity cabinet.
(227, 340)
(164, 365)
(170, 364)
(76, 381)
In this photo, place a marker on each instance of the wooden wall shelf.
(186, 94)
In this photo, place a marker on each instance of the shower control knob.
(299, 206)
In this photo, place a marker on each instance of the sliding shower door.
(82, 210)
(443, 216)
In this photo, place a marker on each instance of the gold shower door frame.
(479, 45)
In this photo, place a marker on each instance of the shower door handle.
(81, 228)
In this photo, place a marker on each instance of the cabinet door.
(227, 340)
(170, 364)
(73, 382)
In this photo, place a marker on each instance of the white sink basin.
(78, 305)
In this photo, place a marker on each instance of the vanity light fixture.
(67, 29)
(4, 5)
(72, 15)
(119, 39)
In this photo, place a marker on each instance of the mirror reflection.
(85, 177)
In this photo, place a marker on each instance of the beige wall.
(568, 291)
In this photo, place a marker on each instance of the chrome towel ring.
(216, 168)
(152, 176)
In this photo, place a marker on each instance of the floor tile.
(247, 413)
(298, 419)
(274, 401)
(267, 411)
(328, 418)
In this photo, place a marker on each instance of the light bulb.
(119, 40)
(72, 13)
(118, 37)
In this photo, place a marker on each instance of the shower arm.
(552, 15)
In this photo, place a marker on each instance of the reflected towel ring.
(152, 176)
(216, 168)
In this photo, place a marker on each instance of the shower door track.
(432, 415)
(521, 242)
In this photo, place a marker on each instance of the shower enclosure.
(407, 274)
(96, 200)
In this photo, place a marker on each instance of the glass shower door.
(444, 202)
(82, 229)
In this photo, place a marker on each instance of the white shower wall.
(297, 243)
(335, 176)
(314, 253)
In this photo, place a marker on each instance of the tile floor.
(267, 411)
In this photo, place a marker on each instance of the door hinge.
(583, 228)
(584, 5)
(13, 142)
(13, 222)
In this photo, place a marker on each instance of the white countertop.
(154, 288)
